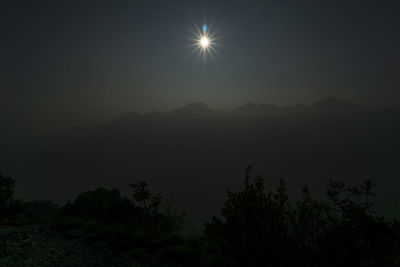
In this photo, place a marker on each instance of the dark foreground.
(35, 245)
(257, 227)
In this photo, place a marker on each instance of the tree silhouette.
(260, 228)
(9, 207)
(141, 194)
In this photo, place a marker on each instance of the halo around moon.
(204, 42)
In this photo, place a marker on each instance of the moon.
(204, 42)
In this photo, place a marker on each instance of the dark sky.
(70, 62)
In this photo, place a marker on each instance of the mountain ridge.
(204, 150)
(201, 108)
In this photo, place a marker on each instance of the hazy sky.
(73, 61)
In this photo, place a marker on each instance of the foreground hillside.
(256, 227)
(35, 245)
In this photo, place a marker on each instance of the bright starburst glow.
(204, 42)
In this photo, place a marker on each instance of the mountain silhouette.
(333, 102)
(252, 108)
(197, 108)
(196, 153)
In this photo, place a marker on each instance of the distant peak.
(249, 105)
(333, 104)
(332, 101)
(193, 108)
(252, 107)
(197, 105)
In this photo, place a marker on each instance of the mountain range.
(196, 153)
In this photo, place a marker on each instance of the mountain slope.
(197, 153)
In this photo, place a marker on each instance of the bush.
(262, 228)
(9, 206)
(39, 209)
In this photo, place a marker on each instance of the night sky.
(64, 63)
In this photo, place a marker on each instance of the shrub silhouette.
(257, 227)
(9, 206)
(139, 214)
(262, 228)
(40, 210)
(120, 224)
